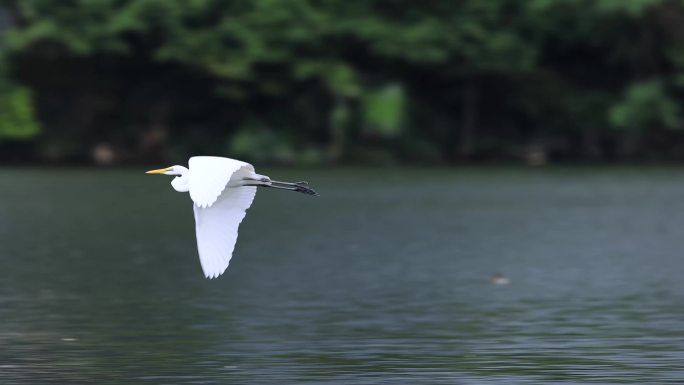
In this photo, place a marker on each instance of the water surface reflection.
(383, 279)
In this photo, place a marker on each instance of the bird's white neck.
(181, 183)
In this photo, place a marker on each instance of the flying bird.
(222, 189)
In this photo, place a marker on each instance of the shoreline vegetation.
(328, 83)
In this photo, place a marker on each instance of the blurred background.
(500, 274)
(322, 82)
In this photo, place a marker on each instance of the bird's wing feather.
(217, 228)
(209, 176)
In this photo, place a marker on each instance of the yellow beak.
(159, 171)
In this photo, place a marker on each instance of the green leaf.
(384, 110)
(644, 104)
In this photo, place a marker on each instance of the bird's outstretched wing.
(217, 228)
(209, 176)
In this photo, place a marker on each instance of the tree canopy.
(378, 80)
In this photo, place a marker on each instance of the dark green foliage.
(311, 81)
(17, 118)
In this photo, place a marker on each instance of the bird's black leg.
(302, 187)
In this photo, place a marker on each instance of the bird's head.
(180, 183)
(173, 170)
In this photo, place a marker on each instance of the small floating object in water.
(68, 339)
(498, 280)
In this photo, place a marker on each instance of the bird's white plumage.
(217, 228)
(209, 176)
(219, 202)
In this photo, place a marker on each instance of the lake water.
(383, 279)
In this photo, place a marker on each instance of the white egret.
(222, 189)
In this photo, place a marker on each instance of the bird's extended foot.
(303, 187)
